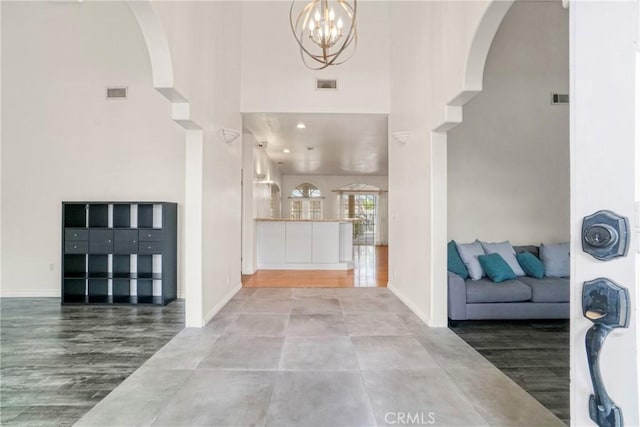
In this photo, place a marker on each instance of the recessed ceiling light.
(301, 126)
(286, 150)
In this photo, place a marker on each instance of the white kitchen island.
(287, 244)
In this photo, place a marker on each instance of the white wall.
(604, 176)
(430, 43)
(266, 174)
(508, 162)
(61, 140)
(204, 41)
(274, 79)
(256, 196)
(326, 184)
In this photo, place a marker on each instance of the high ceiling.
(342, 144)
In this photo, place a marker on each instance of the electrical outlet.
(395, 273)
(52, 267)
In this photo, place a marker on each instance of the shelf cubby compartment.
(98, 291)
(145, 215)
(121, 290)
(98, 266)
(121, 215)
(144, 291)
(75, 215)
(75, 266)
(98, 215)
(74, 291)
(121, 278)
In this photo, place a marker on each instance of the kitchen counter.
(288, 244)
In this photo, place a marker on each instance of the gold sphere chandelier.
(325, 30)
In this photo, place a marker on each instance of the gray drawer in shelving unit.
(125, 241)
(76, 234)
(76, 247)
(150, 248)
(100, 241)
(148, 235)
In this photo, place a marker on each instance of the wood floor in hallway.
(371, 265)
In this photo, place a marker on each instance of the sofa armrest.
(457, 297)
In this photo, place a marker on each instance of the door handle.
(606, 304)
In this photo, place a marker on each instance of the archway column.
(452, 117)
(163, 80)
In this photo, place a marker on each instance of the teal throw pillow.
(454, 262)
(531, 265)
(496, 268)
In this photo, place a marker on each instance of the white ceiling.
(343, 144)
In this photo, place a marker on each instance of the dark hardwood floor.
(534, 354)
(57, 362)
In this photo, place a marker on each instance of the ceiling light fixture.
(301, 126)
(324, 29)
(286, 150)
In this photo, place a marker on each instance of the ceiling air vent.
(559, 98)
(324, 84)
(116, 93)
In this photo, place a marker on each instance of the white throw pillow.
(508, 254)
(469, 252)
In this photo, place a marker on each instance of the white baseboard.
(411, 305)
(30, 294)
(221, 304)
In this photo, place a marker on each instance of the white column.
(193, 228)
(438, 259)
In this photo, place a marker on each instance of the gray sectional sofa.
(522, 298)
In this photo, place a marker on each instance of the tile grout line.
(278, 371)
(364, 383)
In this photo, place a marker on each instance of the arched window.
(306, 190)
(306, 202)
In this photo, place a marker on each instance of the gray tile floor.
(317, 357)
(57, 362)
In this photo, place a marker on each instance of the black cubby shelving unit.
(119, 252)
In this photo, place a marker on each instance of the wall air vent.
(116, 93)
(559, 98)
(325, 84)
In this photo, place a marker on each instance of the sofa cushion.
(531, 264)
(549, 289)
(454, 262)
(535, 250)
(506, 251)
(496, 268)
(484, 290)
(469, 253)
(555, 259)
